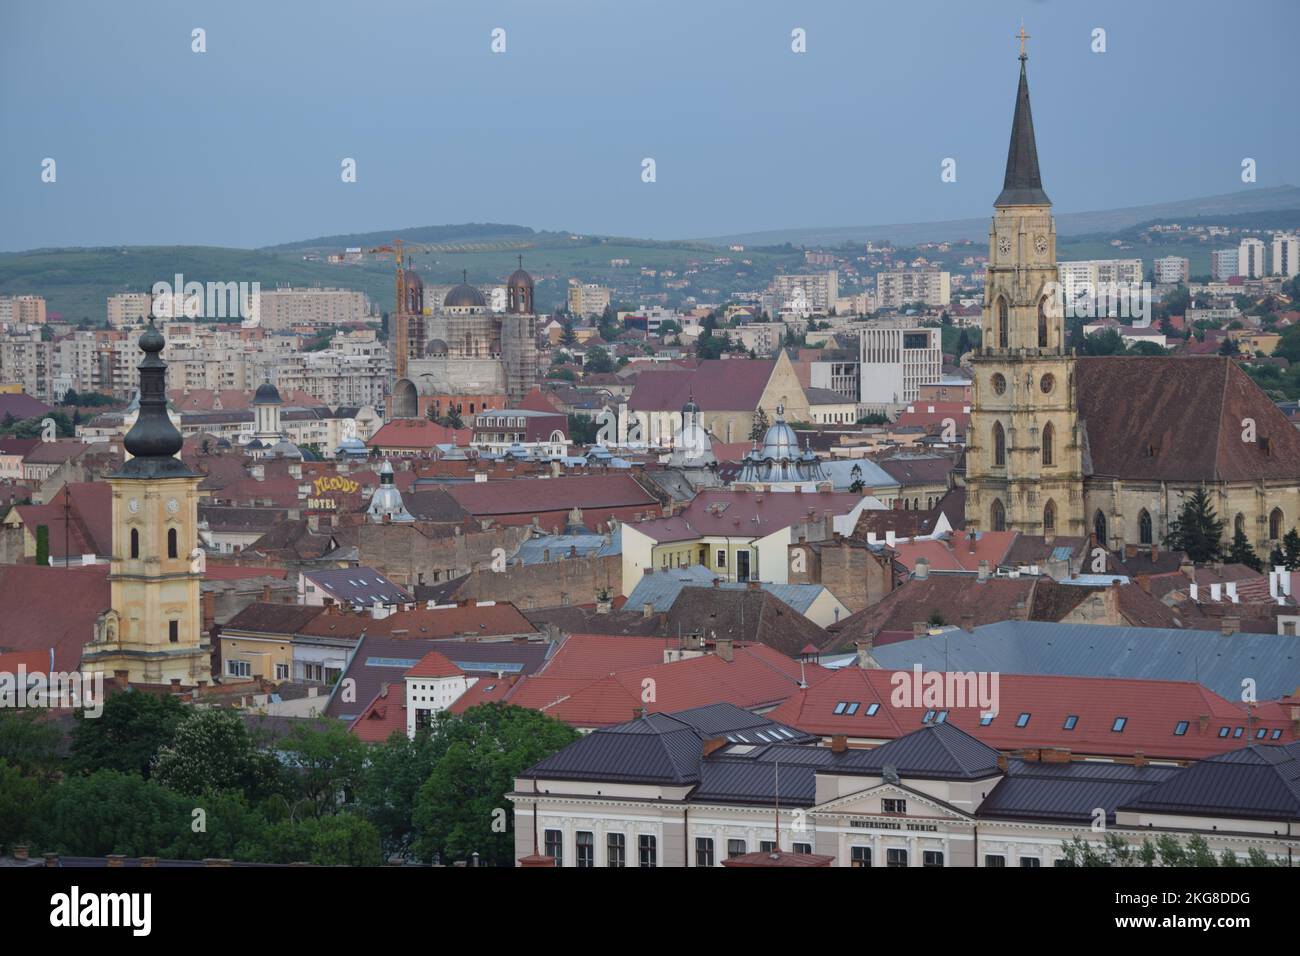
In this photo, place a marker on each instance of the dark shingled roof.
(1261, 781)
(1180, 420)
(748, 615)
(935, 752)
(274, 618)
(1022, 186)
(1069, 791)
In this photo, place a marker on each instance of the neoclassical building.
(1106, 445)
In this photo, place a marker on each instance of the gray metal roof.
(661, 588)
(1261, 781)
(935, 752)
(1069, 791)
(556, 547)
(1217, 662)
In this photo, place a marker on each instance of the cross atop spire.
(1022, 36)
(1023, 186)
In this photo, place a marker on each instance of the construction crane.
(401, 250)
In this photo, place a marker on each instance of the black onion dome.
(267, 394)
(519, 279)
(464, 296)
(153, 440)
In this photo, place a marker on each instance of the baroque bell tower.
(1024, 455)
(153, 632)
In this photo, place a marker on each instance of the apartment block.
(899, 287)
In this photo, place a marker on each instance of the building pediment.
(864, 807)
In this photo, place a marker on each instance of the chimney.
(1188, 569)
(115, 860)
(1139, 759)
(983, 573)
(20, 851)
(1202, 723)
(647, 609)
(1155, 551)
(968, 623)
(603, 604)
(839, 743)
(266, 594)
(717, 582)
(724, 648)
(970, 542)
(919, 628)
(209, 603)
(922, 569)
(1286, 582)
(1230, 624)
(1002, 762)
(51, 859)
(753, 585)
(713, 744)
(1130, 552)
(889, 539)
(1216, 592)
(1273, 585)
(864, 653)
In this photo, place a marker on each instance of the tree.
(42, 545)
(29, 740)
(1291, 550)
(127, 735)
(395, 772)
(758, 430)
(1241, 552)
(583, 429)
(111, 812)
(1229, 347)
(342, 839)
(598, 361)
(212, 750)
(19, 798)
(569, 338)
(1197, 530)
(324, 765)
(461, 809)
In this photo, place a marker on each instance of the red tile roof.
(492, 620)
(418, 434)
(750, 514)
(52, 607)
(955, 553)
(529, 496)
(716, 385)
(435, 664)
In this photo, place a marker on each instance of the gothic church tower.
(1024, 454)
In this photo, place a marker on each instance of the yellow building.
(152, 634)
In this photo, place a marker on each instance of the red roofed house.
(416, 436)
(78, 519)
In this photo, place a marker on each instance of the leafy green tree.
(461, 808)
(1105, 342)
(583, 429)
(111, 812)
(598, 361)
(342, 839)
(1291, 550)
(324, 765)
(20, 796)
(1196, 530)
(213, 750)
(42, 545)
(568, 338)
(395, 772)
(127, 735)
(1241, 551)
(29, 740)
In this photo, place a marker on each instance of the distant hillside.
(1067, 224)
(429, 235)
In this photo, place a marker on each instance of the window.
(171, 542)
(871, 709)
(893, 806)
(941, 717)
(1261, 733)
(1022, 720)
(735, 848)
(895, 857)
(135, 543)
(1002, 323)
(1030, 862)
(839, 708)
(281, 671)
(722, 559)
(1181, 729)
(986, 719)
(1275, 735)
(174, 631)
(1049, 442)
(999, 445)
(1144, 526)
(859, 856)
(1042, 322)
(555, 846)
(1049, 518)
(1223, 731)
(995, 859)
(616, 850)
(1237, 731)
(239, 669)
(803, 848)
(932, 858)
(648, 851)
(703, 851)
(1070, 722)
(997, 516)
(929, 716)
(586, 848)
(1275, 524)
(1118, 726)
(1099, 528)
(766, 846)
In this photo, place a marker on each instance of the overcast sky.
(242, 145)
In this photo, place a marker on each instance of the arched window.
(1239, 523)
(1002, 323)
(1275, 525)
(1042, 322)
(135, 543)
(997, 516)
(1099, 528)
(1144, 527)
(1049, 517)
(999, 444)
(171, 542)
(1049, 441)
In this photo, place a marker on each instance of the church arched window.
(1002, 322)
(135, 543)
(997, 516)
(171, 542)
(1144, 527)
(1042, 322)
(1049, 517)
(1049, 441)
(999, 444)
(1099, 528)
(1275, 525)
(1239, 523)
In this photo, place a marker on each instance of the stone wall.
(548, 584)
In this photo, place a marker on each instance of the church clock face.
(1004, 245)
(1040, 243)
(172, 505)
(133, 505)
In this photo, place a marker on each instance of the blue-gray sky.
(242, 145)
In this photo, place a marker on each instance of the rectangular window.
(586, 849)
(803, 848)
(1118, 726)
(174, 631)
(932, 858)
(281, 671)
(859, 856)
(1181, 729)
(1071, 721)
(703, 851)
(239, 668)
(895, 857)
(1022, 720)
(735, 848)
(994, 859)
(648, 851)
(893, 806)
(722, 559)
(766, 846)
(1029, 862)
(617, 850)
(555, 846)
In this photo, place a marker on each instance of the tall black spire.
(153, 440)
(1022, 186)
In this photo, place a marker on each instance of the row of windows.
(172, 543)
(1003, 325)
(615, 849)
(860, 856)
